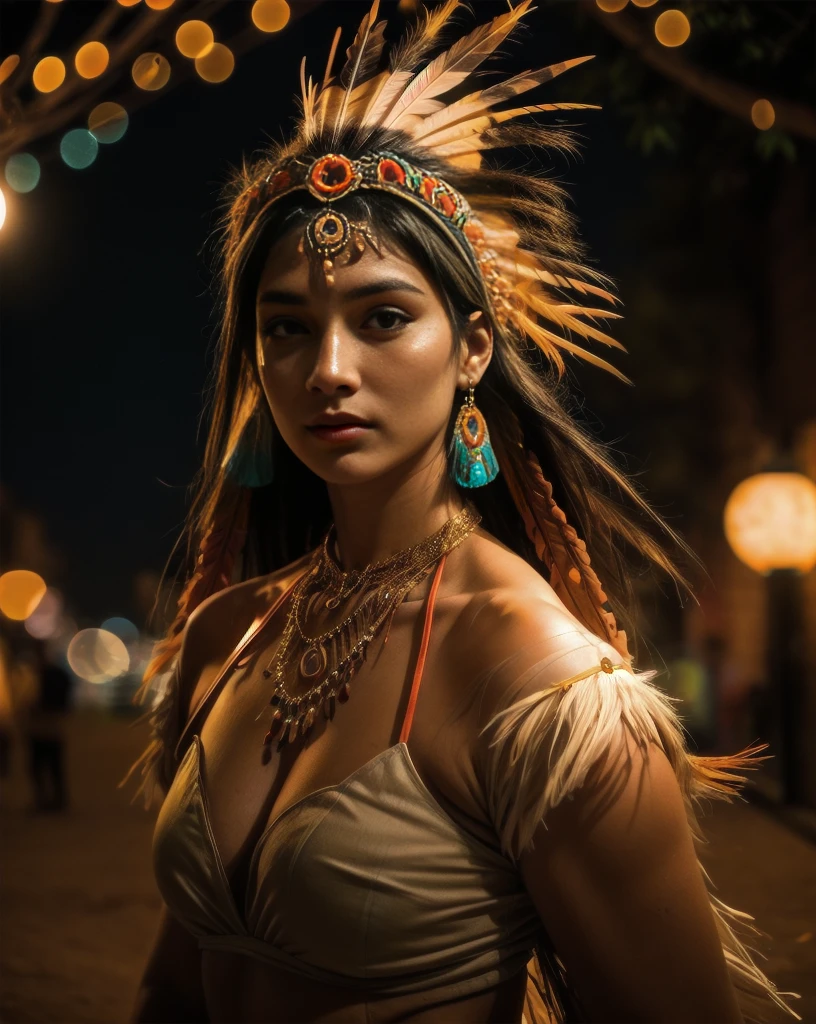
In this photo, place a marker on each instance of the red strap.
(423, 650)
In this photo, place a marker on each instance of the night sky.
(107, 311)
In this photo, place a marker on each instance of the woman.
(368, 528)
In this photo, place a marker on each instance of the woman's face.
(376, 344)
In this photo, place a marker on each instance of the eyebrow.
(385, 284)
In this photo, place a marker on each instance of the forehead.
(289, 266)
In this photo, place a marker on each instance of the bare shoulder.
(513, 635)
(222, 619)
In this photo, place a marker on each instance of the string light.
(763, 114)
(151, 71)
(22, 172)
(91, 60)
(49, 74)
(108, 122)
(79, 148)
(216, 64)
(9, 66)
(194, 38)
(20, 593)
(270, 15)
(672, 28)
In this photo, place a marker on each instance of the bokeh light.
(159, 5)
(770, 521)
(9, 66)
(2, 208)
(108, 122)
(20, 593)
(270, 15)
(46, 620)
(194, 38)
(22, 172)
(216, 64)
(127, 3)
(97, 655)
(126, 630)
(611, 6)
(672, 28)
(78, 148)
(151, 71)
(644, 3)
(91, 60)
(763, 114)
(49, 74)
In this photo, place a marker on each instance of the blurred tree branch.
(723, 93)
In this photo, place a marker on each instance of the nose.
(335, 361)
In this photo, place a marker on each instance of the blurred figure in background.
(44, 725)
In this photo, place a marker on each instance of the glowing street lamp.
(770, 523)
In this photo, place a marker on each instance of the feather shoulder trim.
(540, 751)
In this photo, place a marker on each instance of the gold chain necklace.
(335, 655)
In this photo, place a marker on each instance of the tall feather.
(362, 58)
(325, 93)
(453, 66)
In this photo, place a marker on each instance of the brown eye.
(284, 327)
(387, 319)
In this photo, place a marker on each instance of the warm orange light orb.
(151, 71)
(611, 6)
(159, 5)
(2, 208)
(644, 3)
(770, 522)
(270, 15)
(108, 122)
(672, 28)
(49, 74)
(216, 64)
(128, 3)
(9, 66)
(763, 114)
(20, 593)
(194, 38)
(91, 60)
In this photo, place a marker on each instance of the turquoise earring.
(474, 462)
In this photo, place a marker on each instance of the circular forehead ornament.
(328, 233)
(331, 176)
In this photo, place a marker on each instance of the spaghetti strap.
(257, 625)
(423, 650)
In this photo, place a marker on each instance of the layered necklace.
(330, 659)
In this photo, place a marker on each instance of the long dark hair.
(556, 479)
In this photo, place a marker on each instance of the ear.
(477, 348)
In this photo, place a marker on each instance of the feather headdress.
(433, 157)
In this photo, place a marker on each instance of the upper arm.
(615, 878)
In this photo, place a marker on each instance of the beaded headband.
(332, 176)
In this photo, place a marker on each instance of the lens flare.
(763, 114)
(97, 655)
(22, 172)
(672, 28)
(78, 148)
(126, 630)
(108, 122)
(91, 60)
(151, 71)
(216, 64)
(20, 593)
(49, 74)
(194, 38)
(270, 15)
(46, 619)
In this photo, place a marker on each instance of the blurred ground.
(79, 905)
